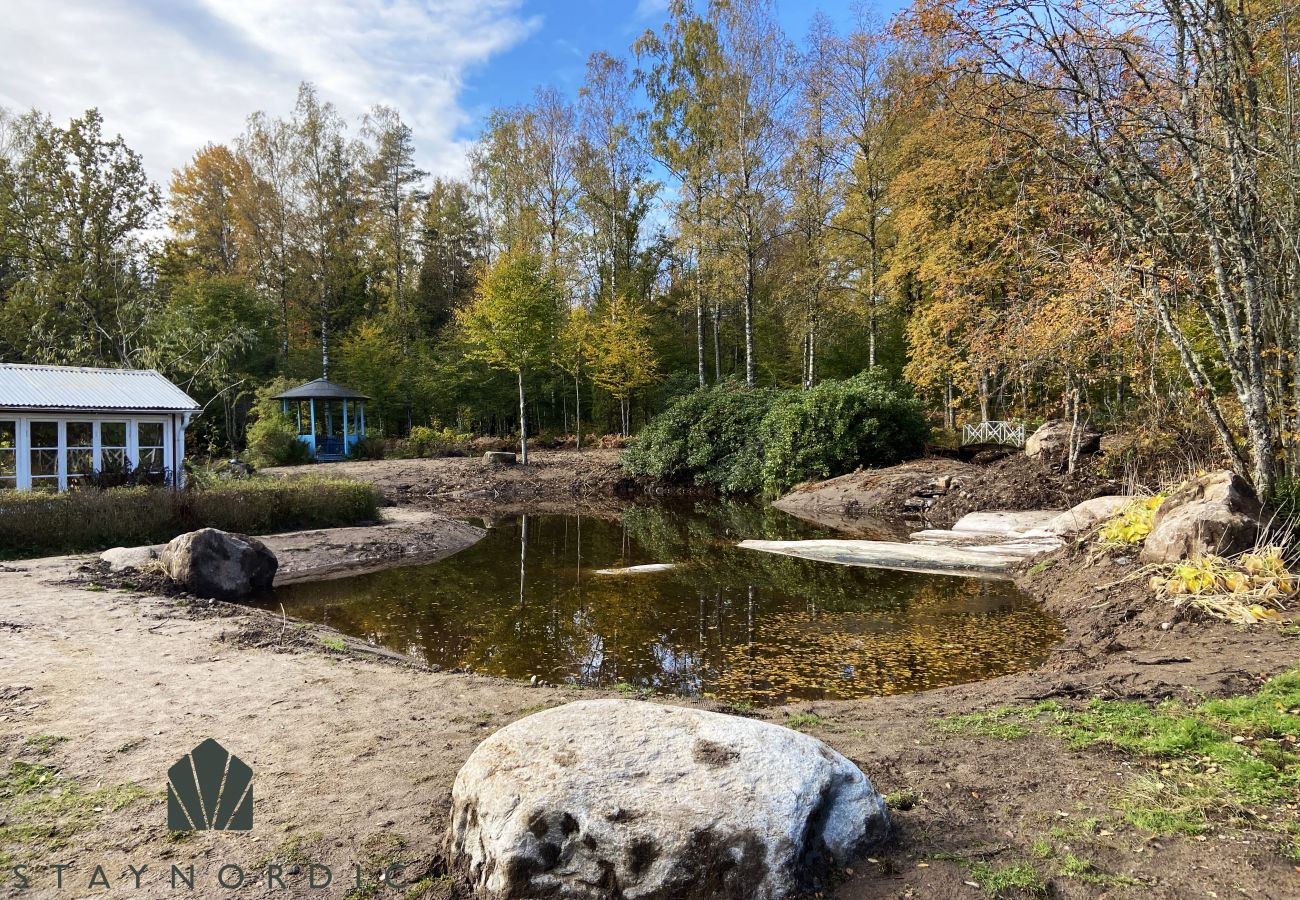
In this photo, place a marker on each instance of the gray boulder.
(499, 458)
(122, 559)
(1051, 442)
(623, 798)
(1216, 513)
(214, 563)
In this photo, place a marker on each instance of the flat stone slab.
(638, 570)
(986, 562)
(1005, 522)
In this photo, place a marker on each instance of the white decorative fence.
(1011, 434)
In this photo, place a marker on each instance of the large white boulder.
(623, 798)
(214, 563)
(1216, 513)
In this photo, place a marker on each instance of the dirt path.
(354, 751)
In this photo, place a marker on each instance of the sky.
(172, 75)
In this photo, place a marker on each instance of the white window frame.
(173, 437)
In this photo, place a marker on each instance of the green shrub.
(1286, 499)
(709, 437)
(82, 520)
(273, 440)
(272, 436)
(369, 447)
(837, 427)
(433, 440)
(742, 441)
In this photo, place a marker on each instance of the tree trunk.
(324, 332)
(699, 323)
(523, 422)
(577, 410)
(749, 318)
(717, 342)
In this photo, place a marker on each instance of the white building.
(58, 423)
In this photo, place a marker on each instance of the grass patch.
(1005, 722)
(44, 744)
(333, 643)
(1214, 760)
(41, 810)
(803, 721)
(1008, 881)
(84, 520)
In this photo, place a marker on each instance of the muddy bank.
(354, 753)
(938, 491)
(553, 479)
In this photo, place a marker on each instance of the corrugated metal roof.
(25, 386)
(320, 389)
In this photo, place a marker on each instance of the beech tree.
(512, 322)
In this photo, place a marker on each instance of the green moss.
(332, 642)
(902, 800)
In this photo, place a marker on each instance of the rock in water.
(1216, 513)
(622, 798)
(1051, 442)
(214, 563)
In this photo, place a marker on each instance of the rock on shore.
(625, 798)
(218, 564)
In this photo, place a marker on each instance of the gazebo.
(330, 418)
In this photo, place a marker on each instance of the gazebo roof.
(320, 389)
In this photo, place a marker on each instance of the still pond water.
(738, 625)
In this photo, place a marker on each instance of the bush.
(837, 427)
(430, 440)
(708, 437)
(33, 524)
(371, 446)
(742, 441)
(273, 440)
(1286, 500)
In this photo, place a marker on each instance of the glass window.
(8, 454)
(112, 446)
(150, 439)
(45, 456)
(81, 449)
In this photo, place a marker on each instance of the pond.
(742, 626)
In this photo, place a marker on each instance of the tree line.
(1021, 207)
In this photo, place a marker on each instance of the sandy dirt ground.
(354, 752)
(553, 480)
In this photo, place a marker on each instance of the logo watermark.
(210, 789)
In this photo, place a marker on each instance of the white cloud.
(648, 8)
(171, 75)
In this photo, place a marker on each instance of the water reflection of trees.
(737, 624)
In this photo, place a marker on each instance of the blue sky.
(170, 75)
